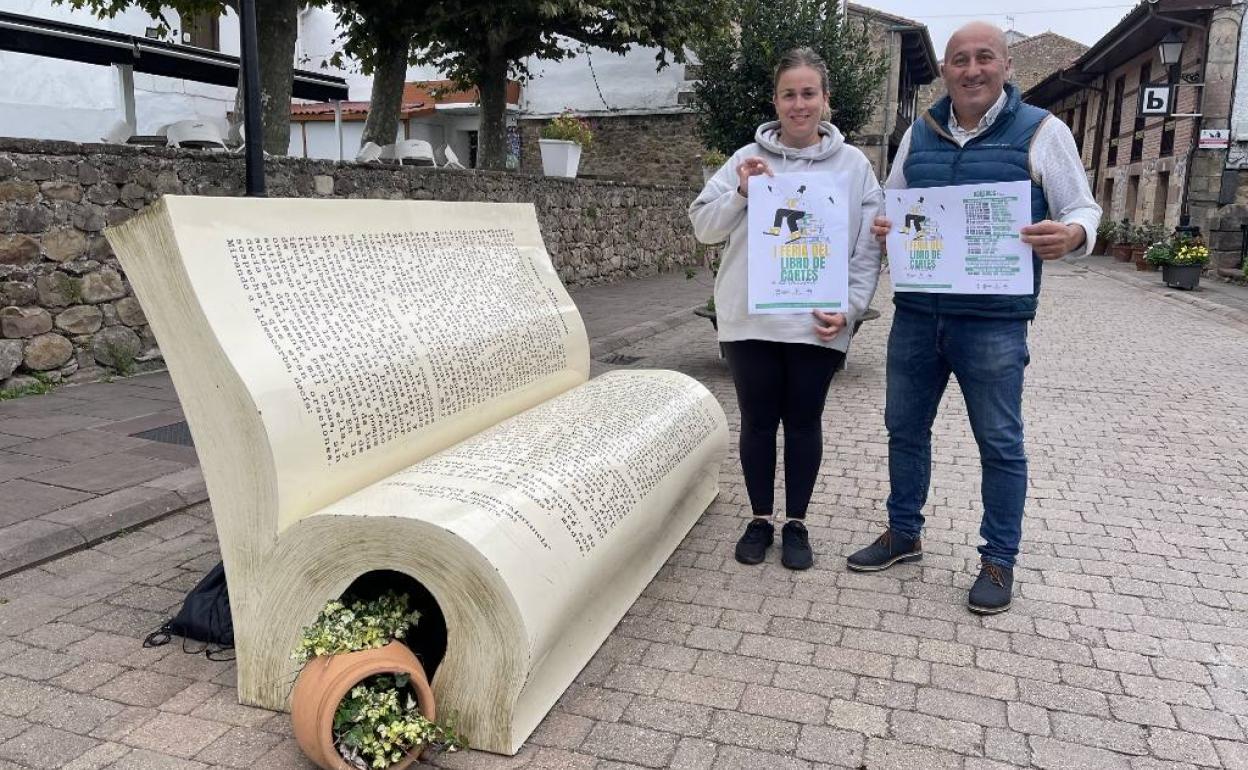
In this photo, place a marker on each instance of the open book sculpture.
(397, 385)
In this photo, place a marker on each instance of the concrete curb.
(631, 334)
(83, 525)
(1230, 315)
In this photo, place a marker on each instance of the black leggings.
(781, 382)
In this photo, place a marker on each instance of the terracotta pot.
(327, 679)
(1121, 252)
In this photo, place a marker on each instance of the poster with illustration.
(963, 239)
(798, 243)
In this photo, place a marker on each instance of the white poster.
(960, 240)
(798, 243)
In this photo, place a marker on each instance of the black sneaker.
(888, 549)
(795, 550)
(758, 537)
(992, 591)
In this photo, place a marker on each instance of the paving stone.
(1051, 754)
(694, 754)
(238, 748)
(1212, 723)
(38, 664)
(666, 715)
(107, 473)
(718, 665)
(740, 758)
(142, 688)
(895, 755)
(1102, 733)
(926, 730)
(44, 748)
(649, 748)
(756, 732)
(142, 759)
(817, 681)
(704, 691)
(635, 679)
(858, 717)
(102, 755)
(1183, 747)
(1029, 719)
(970, 708)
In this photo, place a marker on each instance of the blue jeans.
(988, 357)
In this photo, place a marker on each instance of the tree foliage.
(481, 43)
(734, 93)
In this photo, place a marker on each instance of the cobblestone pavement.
(1127, 646)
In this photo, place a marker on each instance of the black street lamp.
(1171, 50)
(252, 129)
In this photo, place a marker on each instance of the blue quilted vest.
(999, 154)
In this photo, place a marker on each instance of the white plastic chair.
(452, 160)
(369, 153)
(413, 152)
(195, 134)
(118, 133)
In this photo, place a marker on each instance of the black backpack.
(204, 617)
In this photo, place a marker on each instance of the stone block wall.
(638, 149)
(67, 311)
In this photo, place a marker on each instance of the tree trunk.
(389, 75)
(276, 30)
(492, 137)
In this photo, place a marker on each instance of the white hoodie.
(718, 214)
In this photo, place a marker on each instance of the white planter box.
(559, 157)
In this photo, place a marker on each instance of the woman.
(782, 364)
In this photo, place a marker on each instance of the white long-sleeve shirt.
(1055, 164)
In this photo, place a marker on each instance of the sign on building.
(1214, 138)
(1155, 100)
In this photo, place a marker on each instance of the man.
(980, 133)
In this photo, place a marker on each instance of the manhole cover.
(177, 433)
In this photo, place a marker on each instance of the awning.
(71, 42)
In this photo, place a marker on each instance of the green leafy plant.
(42, 386)
(1152, 232)
(1107, 230)
(122, 358)
(1159, 253)
(713, 159)
(362, 625)
(569, 128)
(379, 722)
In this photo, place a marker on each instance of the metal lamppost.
(250, 62)
(1170, 49)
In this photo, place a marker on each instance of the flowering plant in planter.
(362, 699)
(1190, 253)
(569, 128)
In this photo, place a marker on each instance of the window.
(202, 31)
(1167, 138)
(1107, 196)
(1161, 196)
(1083, 127)
(1133, 195)
(1115, 123)
(1137, 134)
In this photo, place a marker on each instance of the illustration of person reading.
(917, 217)
(791, 215)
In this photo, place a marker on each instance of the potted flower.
(712, 160)
(1139, 241)
(561, 142)
(1122, 235)
(1104, 236)
(1185, 265)
(1159, 253)
(362, 699)
(1151, 234)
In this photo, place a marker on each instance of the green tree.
(480, 43)
(276, 30)
(733, 95)
(378, 35)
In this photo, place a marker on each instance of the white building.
(52, 99)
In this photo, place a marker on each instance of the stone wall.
(638, 149)
(66, 309)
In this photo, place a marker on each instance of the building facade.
(1154, 168)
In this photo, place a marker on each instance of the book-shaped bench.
(403, 386)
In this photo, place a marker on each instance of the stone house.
(1155, 168)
